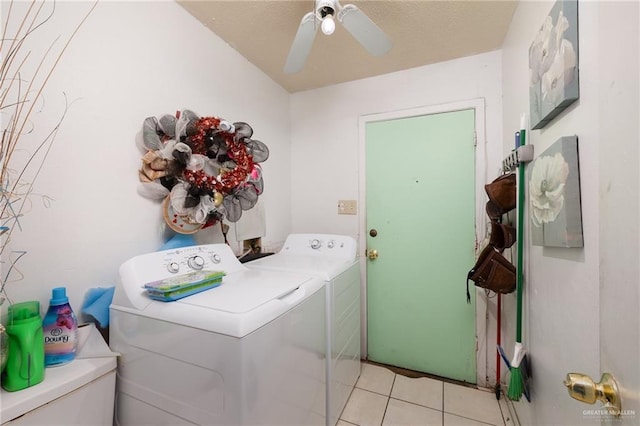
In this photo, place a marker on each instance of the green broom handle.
(520, 238)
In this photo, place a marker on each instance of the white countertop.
(93, 360)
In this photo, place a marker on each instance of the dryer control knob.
(195, 262)
(315, 244)
(331, 243)
(215, 258)
(173, 267)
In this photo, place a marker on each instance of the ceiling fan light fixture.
(354, 21)
(328, 25)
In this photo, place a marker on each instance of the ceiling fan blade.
(301, 44)
(374, 40)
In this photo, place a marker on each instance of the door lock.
(373, 254)
(585, 389)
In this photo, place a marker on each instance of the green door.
(420, 205)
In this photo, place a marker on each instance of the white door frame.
(478, 105)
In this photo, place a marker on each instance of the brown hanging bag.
(502, 236)
(493, 272)
(502, 194)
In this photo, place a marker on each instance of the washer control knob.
(315, 244)
(215, 258)
(331, 243)
(173, 267)
(195, 262)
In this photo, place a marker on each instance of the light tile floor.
(382, 397)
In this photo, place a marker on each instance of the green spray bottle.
(25, 362)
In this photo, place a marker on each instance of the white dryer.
(332, 258)
(248, 352)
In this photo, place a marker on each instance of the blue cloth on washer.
(178, 241)
(96, 304)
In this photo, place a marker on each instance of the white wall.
(132, 60)
(325, 144)
(562, 286)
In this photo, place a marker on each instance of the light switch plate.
(347, 207)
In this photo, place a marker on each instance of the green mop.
(516, 384)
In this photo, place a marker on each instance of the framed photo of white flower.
(553, 64)
(554, 196)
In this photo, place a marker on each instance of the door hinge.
(475, 138)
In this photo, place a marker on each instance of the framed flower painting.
(554, 196)
(553, 64)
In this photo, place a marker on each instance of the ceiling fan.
(368, 34)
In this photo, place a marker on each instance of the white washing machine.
(248, 352)
(332, 258)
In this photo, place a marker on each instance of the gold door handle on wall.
(372, 254)
(585, 389)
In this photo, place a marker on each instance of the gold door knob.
(373, 254)
(585, 389)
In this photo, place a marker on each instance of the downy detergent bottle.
(60, 328)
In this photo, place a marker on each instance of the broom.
(498, 343)
(516, 385)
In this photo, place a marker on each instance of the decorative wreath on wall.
(203, 168)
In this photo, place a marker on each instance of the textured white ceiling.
(423, 32)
